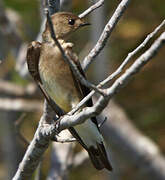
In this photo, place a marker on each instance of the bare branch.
(105, 34)
(37, 147)
(137, 65)
(92, 8)
(19, 104)
(131, 54)
(72, 120)
(118, 71)
(9, 88)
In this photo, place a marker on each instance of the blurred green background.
(143, 98)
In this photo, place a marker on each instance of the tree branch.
(37, 147)
(92, 8)
(105, 34)
(119, 70)
(131, 54)
(20, 104)
(72, 120)
(11, 89)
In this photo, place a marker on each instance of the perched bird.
(58, 82)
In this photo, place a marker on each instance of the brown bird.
(58, 82)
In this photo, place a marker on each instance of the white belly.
(89, 133)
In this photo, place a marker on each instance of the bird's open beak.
(84, 24)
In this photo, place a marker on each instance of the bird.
(59, 84)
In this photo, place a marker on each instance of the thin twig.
(105, 34)
(131, 54)
(19, 121)
(101, 123)
(22, 138)
(17, 124)
(92, 8)
(137, 65)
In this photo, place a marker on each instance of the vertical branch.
(54, 6)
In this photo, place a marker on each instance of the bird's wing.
(81, 88)
(32, 57)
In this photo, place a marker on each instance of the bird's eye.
(71, 21)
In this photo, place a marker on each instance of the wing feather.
(33, 56)
(81, 88)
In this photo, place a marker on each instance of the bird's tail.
(89, 137)
(99, 157)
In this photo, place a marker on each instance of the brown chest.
(57, 78)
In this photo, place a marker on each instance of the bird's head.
(64, 24)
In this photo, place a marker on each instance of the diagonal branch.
(97, 108)
(131, 54)
(92, 8)
(105, 34)
(37, 147)
(119, 70)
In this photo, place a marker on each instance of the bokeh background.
(143, 99)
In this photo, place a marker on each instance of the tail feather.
(94, 157)
(99, 157)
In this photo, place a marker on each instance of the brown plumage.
(58, 83)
